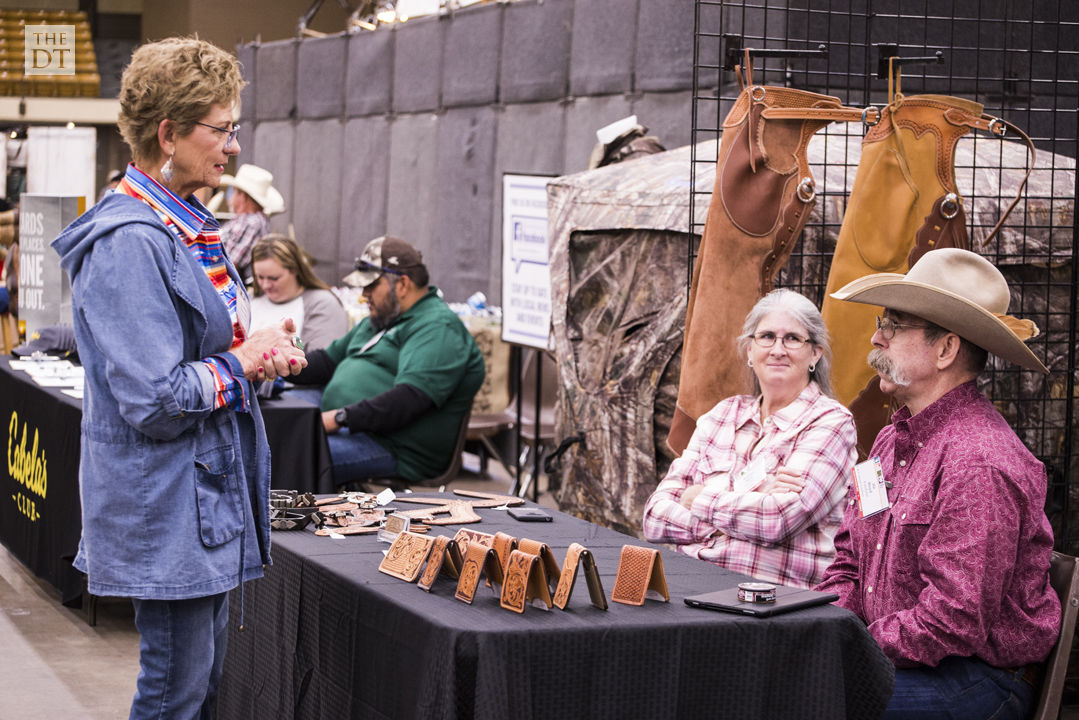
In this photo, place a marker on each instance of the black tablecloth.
(328, 636)
(40, 517)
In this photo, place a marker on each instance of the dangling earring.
(166, 170)
(749, 362)
(812, 368)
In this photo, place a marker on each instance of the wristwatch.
(341, 417)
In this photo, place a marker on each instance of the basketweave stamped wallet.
(406, 556)
(578, 556)
(543, 552)
(640, 575)
(525, 583)
(479, 560)
(445, 559)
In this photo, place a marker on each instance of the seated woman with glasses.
(286, 286)
(761, 487)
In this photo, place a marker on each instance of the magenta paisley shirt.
(960, 563)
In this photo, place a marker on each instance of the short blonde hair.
(180, 79)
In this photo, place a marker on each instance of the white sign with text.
(526, 278)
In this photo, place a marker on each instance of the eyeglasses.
(790, 340)
(888, 326)
(231, 133)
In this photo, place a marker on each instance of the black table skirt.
(328, 636)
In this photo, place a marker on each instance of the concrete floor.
(53, 664)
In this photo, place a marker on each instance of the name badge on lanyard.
(870, 488)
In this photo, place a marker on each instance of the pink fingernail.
(265, 356)
(262, 370)
(274, 351)
(293, 361)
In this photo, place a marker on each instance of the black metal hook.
(886, 52)
(734, 51)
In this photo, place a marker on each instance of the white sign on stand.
(526, 277)
(44, 289)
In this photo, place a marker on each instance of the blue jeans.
(181, 652)
(357, 457)
(958, 689)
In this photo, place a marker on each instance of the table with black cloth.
(326, 635)
(40, 516)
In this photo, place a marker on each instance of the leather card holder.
(543, 551)
(525, 583)
(479, 560)
(464, 536)
(445, 560)
(640, 575)
(578, 556)
(406, 556)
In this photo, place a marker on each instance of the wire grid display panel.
(1019, 59)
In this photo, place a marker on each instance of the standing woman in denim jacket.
(175, 469)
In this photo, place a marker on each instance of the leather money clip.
(479, 560)
(445, 559)
(525, 583)
(578, 556)
(543, 551)
(640, 575)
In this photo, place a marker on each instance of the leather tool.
(640, 575)
(406, 556)
(479, 560)
(762, 197)
(525, 583)
(543, 552)
(579, 556)
(445, 559)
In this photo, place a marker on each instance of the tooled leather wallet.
(640, 575)
(479, 560)
(406, 556)
(525, 582)
(445, 559)
(578, 556)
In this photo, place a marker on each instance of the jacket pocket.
(217, 490)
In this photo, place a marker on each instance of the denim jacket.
(174, 493)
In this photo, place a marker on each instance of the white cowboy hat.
(257, 183)
(959, 290)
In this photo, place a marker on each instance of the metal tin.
(756, 592)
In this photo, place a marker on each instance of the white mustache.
(887, 367)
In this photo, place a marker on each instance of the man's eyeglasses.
(790, 340)
(888, 326)
(230, 132)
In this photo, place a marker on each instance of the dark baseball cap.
(54, 339)
(383, 254)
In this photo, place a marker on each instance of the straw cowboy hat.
(257, 183)
(959, 290)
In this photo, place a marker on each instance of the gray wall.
(409, 130)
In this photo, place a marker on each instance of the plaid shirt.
(197, 229)
(785, 537)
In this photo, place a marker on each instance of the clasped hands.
(270, 352)
(783, 480)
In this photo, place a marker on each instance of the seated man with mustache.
(951, 571)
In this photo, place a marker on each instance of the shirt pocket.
(217, 490)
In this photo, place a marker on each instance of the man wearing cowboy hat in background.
(252, 200)
(948, 564)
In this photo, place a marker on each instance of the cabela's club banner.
(40, 520)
